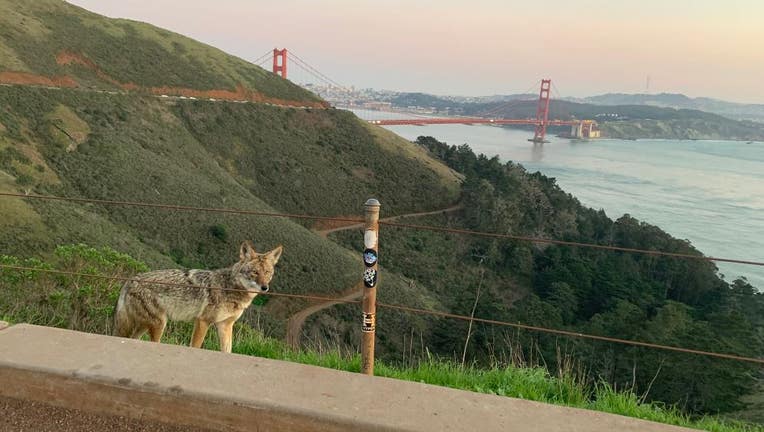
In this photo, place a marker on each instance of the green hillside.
(139, 148)
(52, 38)
(131, 146)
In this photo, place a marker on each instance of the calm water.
(709, 192)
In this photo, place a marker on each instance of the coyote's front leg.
(200, 330)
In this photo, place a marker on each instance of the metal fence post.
(370, 279)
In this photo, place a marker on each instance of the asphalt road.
(25, 416)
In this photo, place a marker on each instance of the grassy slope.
(145, 149)
(317, 161)
(33, 33)
(97, 145)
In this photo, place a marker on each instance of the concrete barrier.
(207, 389)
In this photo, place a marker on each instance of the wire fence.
(355, 221)
(401, 308)
(382, 222)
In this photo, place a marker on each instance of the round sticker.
(370, 278)
(369, 257)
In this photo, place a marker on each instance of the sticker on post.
(370, 278)
(369, 257)
(369, 322)
(370, 239)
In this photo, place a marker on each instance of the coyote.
(203, 296)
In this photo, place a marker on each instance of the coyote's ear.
(275, 254)
(246, 251)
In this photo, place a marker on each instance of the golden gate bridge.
(579, 128)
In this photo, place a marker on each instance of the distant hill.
(735, 111)
(617, 120)
(447, 102)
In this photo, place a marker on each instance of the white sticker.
(370, 239)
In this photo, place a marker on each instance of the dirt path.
(241, 95)
(297, 320)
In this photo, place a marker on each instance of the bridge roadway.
(470, 120)
(80, 381)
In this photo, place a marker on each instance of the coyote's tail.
(123, 324)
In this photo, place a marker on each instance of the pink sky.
(700, 48)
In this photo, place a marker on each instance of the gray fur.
(205, 296)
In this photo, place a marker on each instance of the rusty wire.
(567, 243)
(390, 224)
(572, 333)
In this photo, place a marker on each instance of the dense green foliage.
(662, 300)
(86, 304)
(632, 296)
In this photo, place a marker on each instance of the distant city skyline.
(588, 47)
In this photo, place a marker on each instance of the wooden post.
(370, 279)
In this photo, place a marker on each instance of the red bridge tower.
(280, 68)
(542, 112)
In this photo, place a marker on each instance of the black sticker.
(369, 257)
(370, 278)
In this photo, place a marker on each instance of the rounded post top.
(372, 202)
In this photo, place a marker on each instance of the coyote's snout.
(203, 296)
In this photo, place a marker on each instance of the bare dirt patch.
(332, 225)
(362, 173)
(25, 78)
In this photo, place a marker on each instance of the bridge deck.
(470, 120)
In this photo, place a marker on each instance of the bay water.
(708, 192)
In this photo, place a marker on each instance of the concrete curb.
(207, 389)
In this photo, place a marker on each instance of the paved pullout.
(183, 386)
(17, 415)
